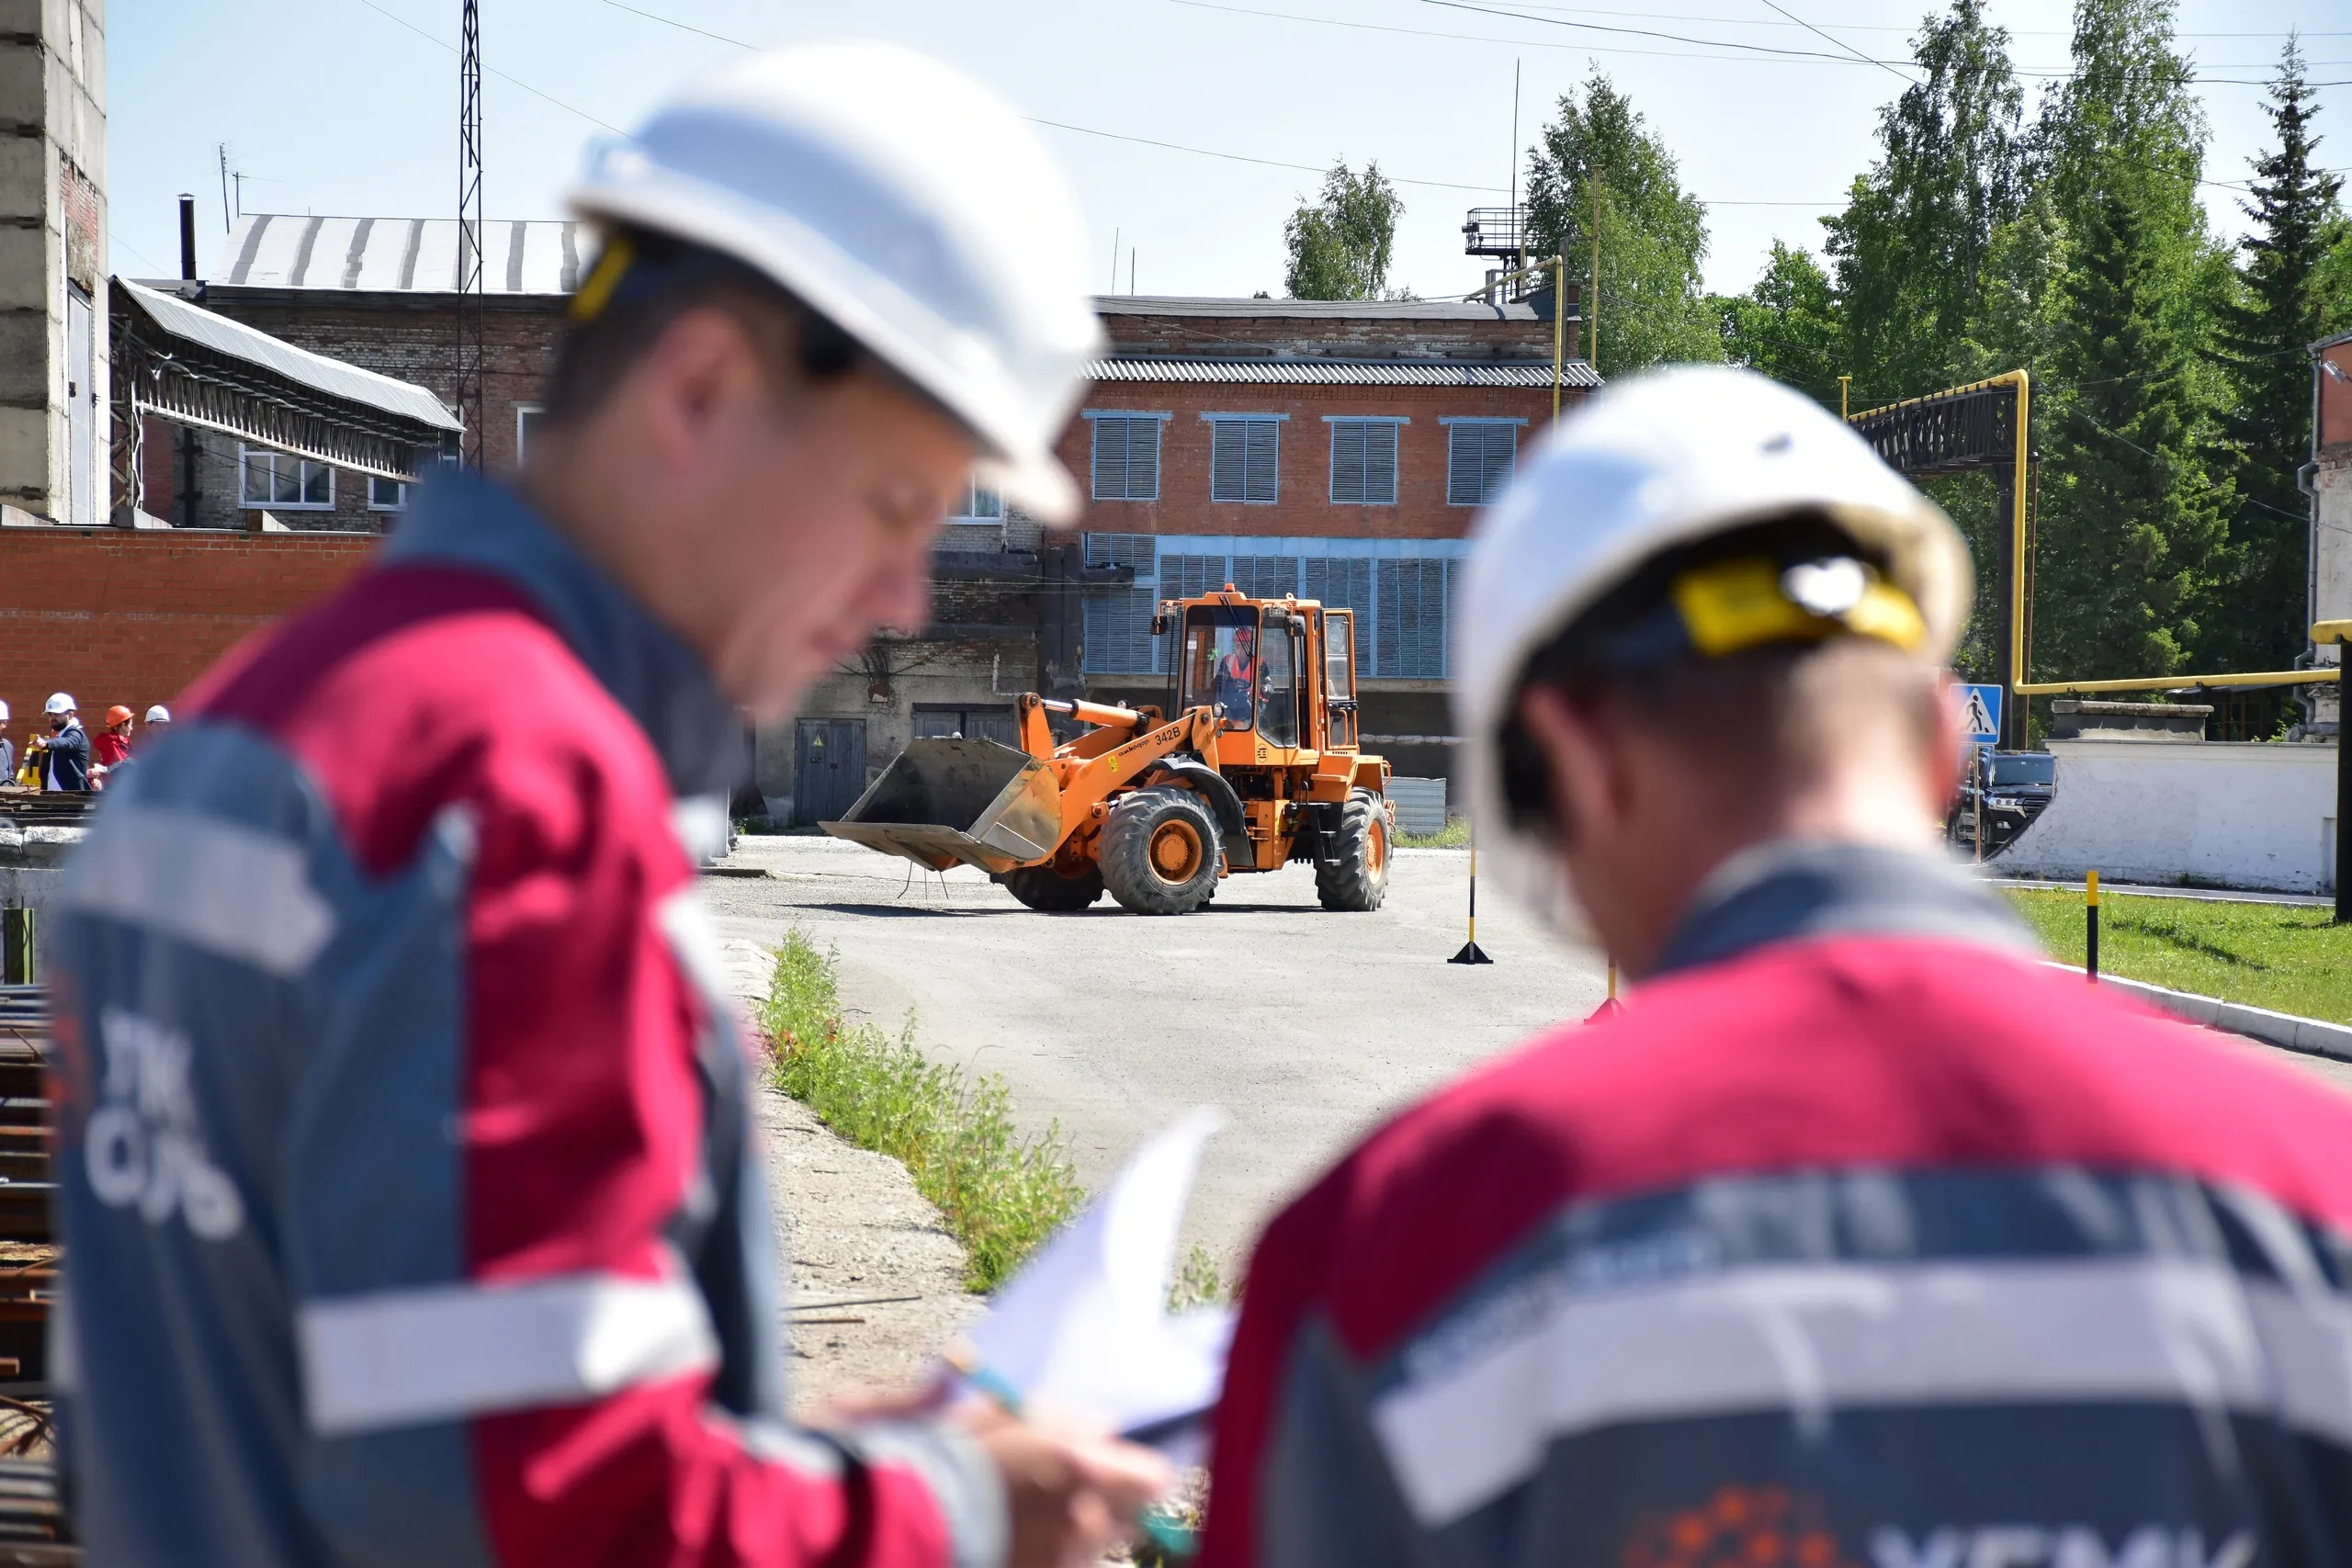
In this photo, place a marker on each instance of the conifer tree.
(2131, 517)
(2258, 618)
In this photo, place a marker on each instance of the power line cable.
(1840, 42)
(1090, 131)
(1646, 32)
(501, 75)
(1875, 27)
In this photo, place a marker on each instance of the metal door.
(828, 772)
(82, 509)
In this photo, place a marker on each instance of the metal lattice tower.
(471, 353)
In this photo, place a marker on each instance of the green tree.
(2131, 518)
(1652, 307)
(2257, 613)
(1791, 325)
(1341, 246)
(1912, 248)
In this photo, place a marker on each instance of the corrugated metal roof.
(1342, 372)
(179, 318)
(398, 254)
(1311, 309)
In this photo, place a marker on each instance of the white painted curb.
(2236, 1017)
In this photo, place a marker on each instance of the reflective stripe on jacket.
(1859, 1238)
(412, 1209)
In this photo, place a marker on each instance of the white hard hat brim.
(1022, 469)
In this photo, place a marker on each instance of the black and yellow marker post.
(2090, 928)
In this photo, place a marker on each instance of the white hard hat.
(1660, 460)
(60, 702)
(4, 712)
(159, 714)
(908, 205)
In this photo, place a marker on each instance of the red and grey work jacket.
(410, 1206)
(1860, 1238)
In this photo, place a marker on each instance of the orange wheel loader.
(1259, 767)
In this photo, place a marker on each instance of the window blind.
(1244, 459)
(1187, 576)
(1266, 577)
(1363, 462)
(1480, 460)
(1344, 583)
(1411, 625)
(1127, 459)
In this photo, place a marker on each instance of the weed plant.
(1454, 835)
(1000, 1194)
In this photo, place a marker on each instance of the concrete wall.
(52, 239)
(2209, 813)
(113, 616)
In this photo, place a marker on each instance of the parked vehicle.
(2015, 788)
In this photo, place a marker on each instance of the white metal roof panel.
(1342, 372)
(266, 250)
(1311, 309)
(179, 318)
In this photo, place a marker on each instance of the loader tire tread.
(1046, 890)
(1357, 882)
(1139, 820)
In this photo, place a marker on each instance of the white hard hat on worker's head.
(159, 714)
(905, 203)
(60, 702)
(1662, 461)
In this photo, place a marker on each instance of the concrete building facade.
(54, 418)
(2331, 487)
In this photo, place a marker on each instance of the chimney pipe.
(187, 238)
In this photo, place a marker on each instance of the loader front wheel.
(1160, 852)
(1043, 888)
(1357, 881)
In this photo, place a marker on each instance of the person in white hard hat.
(1860, 1234)
(65, 751)
(158, 719)
(418, 1216)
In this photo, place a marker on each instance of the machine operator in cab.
(1236, 693)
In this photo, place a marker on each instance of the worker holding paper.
(1860, 1235)
(412, 1208)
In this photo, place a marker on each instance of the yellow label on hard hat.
(597, 292)
(1738, 604)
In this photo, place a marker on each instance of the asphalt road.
(1305, 1028)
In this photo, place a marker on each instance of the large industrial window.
(1479, 459)
(1119, 620)
(1363, 462)
(1410, 630)
(297, 484)
(386, 495)
(1245, 458)
(1344, 583)
(1126, 456)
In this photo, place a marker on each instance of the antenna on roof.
(471, 324)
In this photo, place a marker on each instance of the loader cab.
(1243, 662)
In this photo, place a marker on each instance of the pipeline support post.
(2090, 925)
(16, 946)
(2340, 633)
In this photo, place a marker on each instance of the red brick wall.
(132, 617)
(2336, 400)
(1304, 508)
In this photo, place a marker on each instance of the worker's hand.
(1070, 1496)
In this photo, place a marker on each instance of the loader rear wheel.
(1357, 881)
(1160, 852)
(1043, 887)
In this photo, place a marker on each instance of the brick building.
(1335, 450)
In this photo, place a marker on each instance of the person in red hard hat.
(112, 744)
(1860, 1235)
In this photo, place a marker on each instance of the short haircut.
(665, 278)
(1760, 720)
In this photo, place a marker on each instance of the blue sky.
(349, 107)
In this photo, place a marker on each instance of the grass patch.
(1000, 1194)
(2289, 957)
(1454, 836)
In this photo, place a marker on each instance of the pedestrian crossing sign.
(1980, 713)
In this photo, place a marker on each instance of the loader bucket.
(942, 802)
